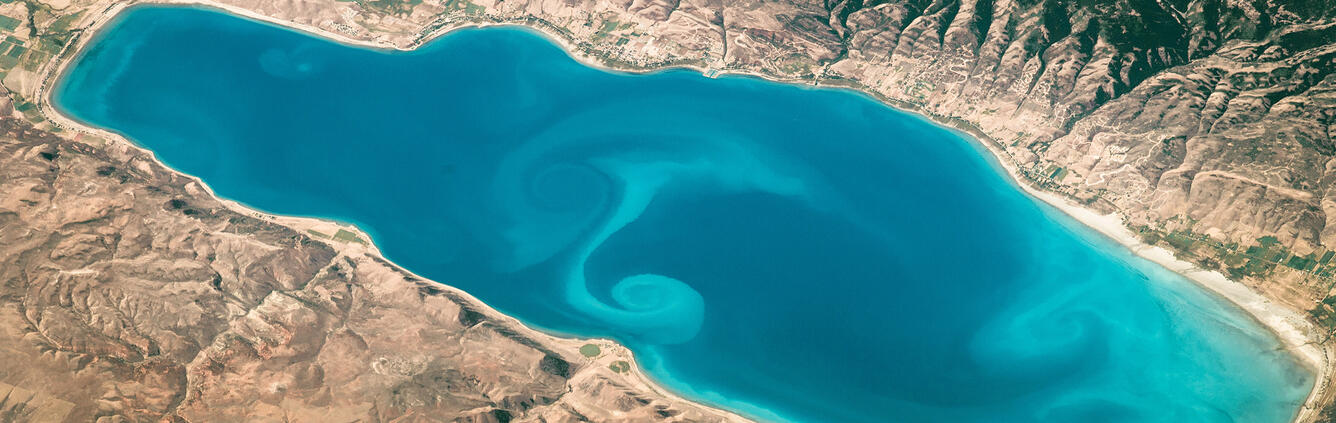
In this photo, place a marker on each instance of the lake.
(786, 252)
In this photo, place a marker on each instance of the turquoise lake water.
(786, 252)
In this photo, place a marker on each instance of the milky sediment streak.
(557, 199)
(791, 253)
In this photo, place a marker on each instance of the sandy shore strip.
(639, 377)
(1299, 335)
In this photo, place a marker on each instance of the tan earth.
(1206, 124)
(128, 293)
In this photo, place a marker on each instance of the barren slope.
(127, 293)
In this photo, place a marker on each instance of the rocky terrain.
(1207, 124)
(128, 293)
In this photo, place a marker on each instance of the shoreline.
(1296, 333)
(301, 223)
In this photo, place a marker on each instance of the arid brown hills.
(129, 294)
(1207, 123)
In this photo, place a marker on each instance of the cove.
(786, 252)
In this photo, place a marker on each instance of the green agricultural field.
(6, 60)
(34, 60)
(1305, 263)
(590, 350)
(9, 24)
(468, 7)
(52, 44)
(63, 23)
(346, 236)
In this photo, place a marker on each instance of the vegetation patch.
(8, 23)
(590, 350)
(347, 236)
(1260, 260)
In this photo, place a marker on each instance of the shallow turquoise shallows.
(785, 252)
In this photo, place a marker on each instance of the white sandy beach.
(1299, 335)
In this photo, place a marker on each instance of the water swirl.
(291, 63)
(560, 201)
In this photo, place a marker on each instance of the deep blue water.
(783, 251)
